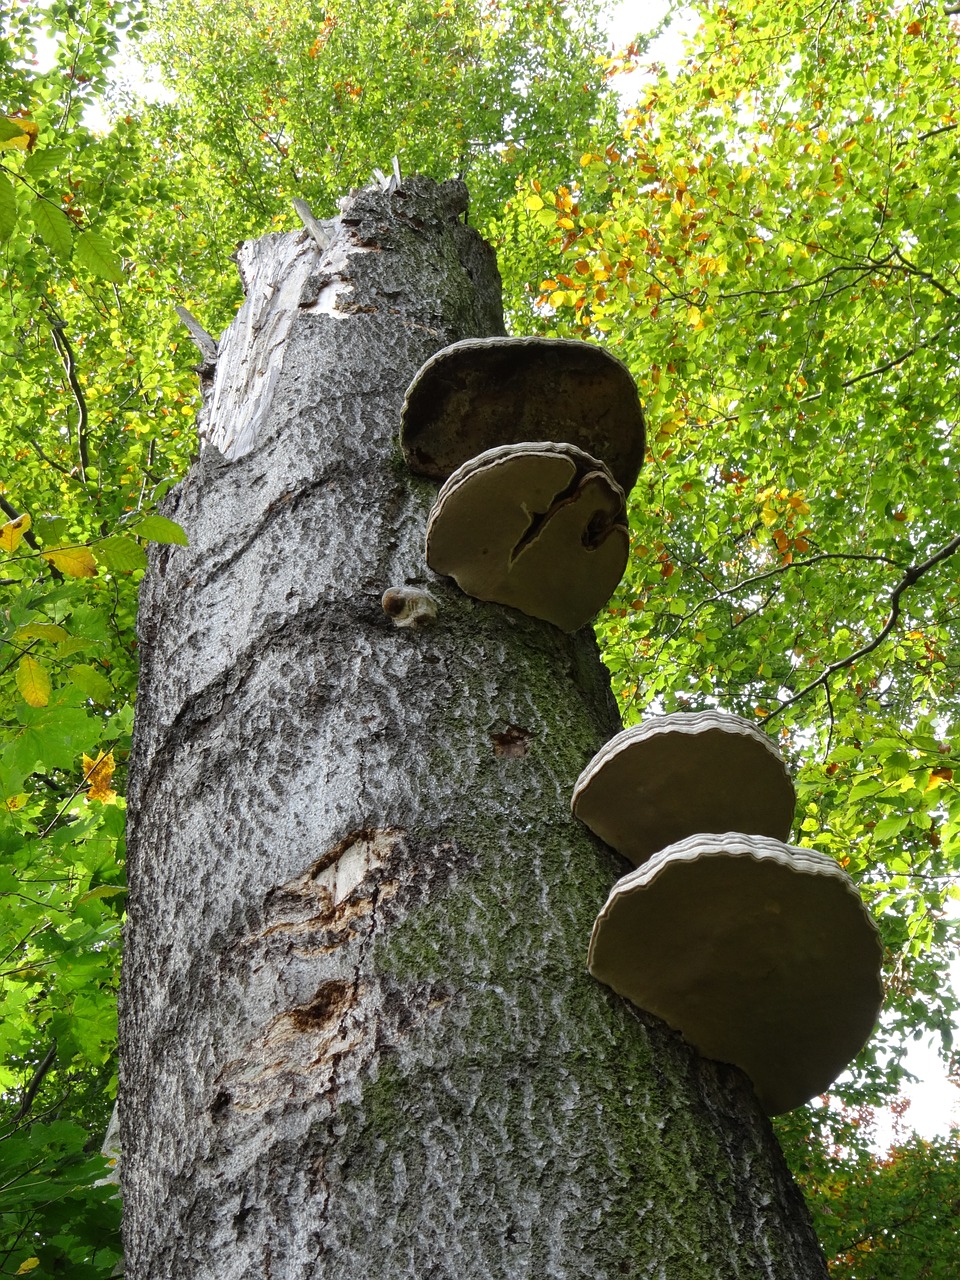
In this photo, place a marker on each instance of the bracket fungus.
(759, 954)
(483, 392)
(680, 774)
(541, 527)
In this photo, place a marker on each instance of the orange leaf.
(98, 774)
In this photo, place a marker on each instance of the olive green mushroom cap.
(541, 527)
(680, 774)
(483, 392)
(759, 954)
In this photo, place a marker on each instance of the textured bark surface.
(358, 1037)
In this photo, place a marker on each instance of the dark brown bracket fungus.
(680, 774)
(541, 527)
(484, 392)
(758, 953)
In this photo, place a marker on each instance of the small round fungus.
(484, 392)
(680, 774)
(758, 953)
(541, 527)
(409, 606)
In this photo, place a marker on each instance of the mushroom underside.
(681, 774)
(481, 393)
(759, 954)
(538, 526)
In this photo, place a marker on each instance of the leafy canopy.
(771, 240)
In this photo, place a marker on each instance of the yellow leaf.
(25, 140)
(33, 682)
(533, 203)
(98, 774)
(40, 631)
(31, 1264)
(12, 532)
(75, 562)
(101, 891)
(16, 802)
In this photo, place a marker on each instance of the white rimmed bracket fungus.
(759, 954)
(680, 774)
(541, 527)
(484, 392)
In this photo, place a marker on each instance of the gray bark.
(358, 1037)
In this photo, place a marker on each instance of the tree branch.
(924, 275)
(26, 1102)
(62, 343)
(10, 510)
(910, 577)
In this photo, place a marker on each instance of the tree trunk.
(358, 1037)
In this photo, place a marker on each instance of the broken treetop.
(485, 392)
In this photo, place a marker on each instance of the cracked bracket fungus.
(681, 774)
(483, 392)
(758, 953)
(541, 527)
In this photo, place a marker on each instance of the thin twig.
(28, 537)
(801, 564)
(911, 576)
(944, 128)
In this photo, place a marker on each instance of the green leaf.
(9, 129)
(160, 529)
(119, 553)
(890, 827)
(94, 252)
(40, 631)
(54, 737)
(54, 228)
(92, 683)
(43, 160)
(33, 681)
(101, 891)
(8, 209)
